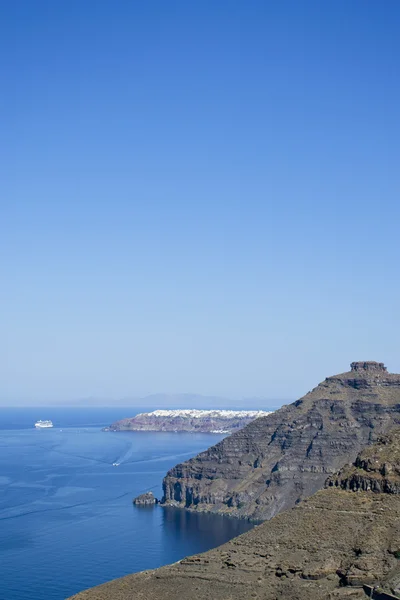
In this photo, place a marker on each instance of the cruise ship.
(43, 424)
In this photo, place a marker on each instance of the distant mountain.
(104, 402)
(181, 401)
(184, 401)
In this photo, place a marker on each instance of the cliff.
(278, 460)
(191, 420)
(376, 469)
(326, 548)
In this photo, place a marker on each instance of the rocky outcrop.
(146, 499)
(278, 460)
(326, 548)
(368, 367)
(376, 469)
(191, 420)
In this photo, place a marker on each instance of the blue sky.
(197, 196)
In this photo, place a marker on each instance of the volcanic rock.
(278, 460)
(145, 499)
(326, 548)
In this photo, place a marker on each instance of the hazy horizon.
(154, 401)
(197, 196)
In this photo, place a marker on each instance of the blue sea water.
(66, 516)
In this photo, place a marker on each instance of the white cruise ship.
(43, 424)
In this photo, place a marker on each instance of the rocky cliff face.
(278, 460)
(326, 548)
(191, 420)
(376, 469)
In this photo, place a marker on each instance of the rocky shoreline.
(330, 547)
(325, 474)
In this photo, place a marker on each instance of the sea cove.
(67, 519)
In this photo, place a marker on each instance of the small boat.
(115, 464)
(43, 424)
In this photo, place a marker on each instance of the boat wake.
(160, 458)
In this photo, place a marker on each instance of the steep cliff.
(191, 420)
(326, 548)
(376, 469)
(278, 460)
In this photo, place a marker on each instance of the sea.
(67, 521)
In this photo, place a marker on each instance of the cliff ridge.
(326, 548)
(278, 460)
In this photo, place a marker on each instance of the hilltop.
(278, 460)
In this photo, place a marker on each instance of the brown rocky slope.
(278, 460)
(326, 548)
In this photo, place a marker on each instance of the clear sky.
(197, 196)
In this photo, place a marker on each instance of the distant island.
(191, 420)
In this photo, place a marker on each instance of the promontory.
(278, 460)
(340, 544)
(320, 543)
(191, 420)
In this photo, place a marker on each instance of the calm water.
(66, 516)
